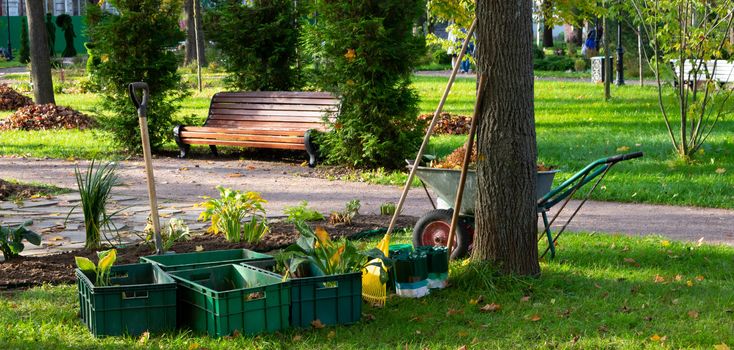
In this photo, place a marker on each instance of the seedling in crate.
(102, 270)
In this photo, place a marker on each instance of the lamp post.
(7, 16)
(620, 55)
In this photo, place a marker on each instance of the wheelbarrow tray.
(444, 183)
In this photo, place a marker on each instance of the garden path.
(180, 183)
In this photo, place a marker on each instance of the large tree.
(43, 89)
(191, 37)
(506, 221)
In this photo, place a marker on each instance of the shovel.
(141, 106)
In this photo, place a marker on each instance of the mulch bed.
(24, 272)
(13, 190)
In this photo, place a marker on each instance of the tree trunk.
(191, 41)
(547, 36)
(43, 89)
(731, 35)
(506, 219)
(546, 8)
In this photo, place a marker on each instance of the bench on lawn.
(720, 71)
(261, 119)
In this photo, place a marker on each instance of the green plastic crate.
(219, 300)
(333, 299)
(197, 260)
(141, 298)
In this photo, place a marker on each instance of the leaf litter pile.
(454, 160)
(45, 117)
(11, 99)
(449, 124)
(9, 190)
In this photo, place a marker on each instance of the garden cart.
(433, 227)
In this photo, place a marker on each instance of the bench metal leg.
(213, 148)
(182, 147)
(310, 149)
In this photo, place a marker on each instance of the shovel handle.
(137, 102)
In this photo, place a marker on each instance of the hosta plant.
(11, 239)
(175, 230)
(345, 217)
(301, 213)
(228, 214)
(324, 256)
(101, 271)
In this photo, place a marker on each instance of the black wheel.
(433, 229)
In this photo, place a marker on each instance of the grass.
(603, 291)
(574, 127)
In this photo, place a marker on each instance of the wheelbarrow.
(433, 227)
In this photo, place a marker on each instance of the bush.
(136, 45)
(25, 49)
(257, 41)
(538, 52)
(365, 52)
(554, 63)
(580, 65)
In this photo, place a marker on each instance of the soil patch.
(14, 190)
(24, 272)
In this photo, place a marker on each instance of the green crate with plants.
(326, 278)
(223, 299)
(197, 260)
(125, 299)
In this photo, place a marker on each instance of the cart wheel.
(433, 229)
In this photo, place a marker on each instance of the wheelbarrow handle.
(621, 157)
(135, 98)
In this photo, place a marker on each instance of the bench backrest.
(719, 70)
(272, 110)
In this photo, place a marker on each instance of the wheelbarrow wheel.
(433, 229)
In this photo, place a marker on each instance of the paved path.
(180, 183)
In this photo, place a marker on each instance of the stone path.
(180, 183)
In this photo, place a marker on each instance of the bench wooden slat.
(275, 100)
(250, 112)
(247, 144)
(271, 125)
(301, 94)
(253, 131)
(259, 118)
(274, 107)
(240, 137)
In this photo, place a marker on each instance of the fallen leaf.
(194, 346)
(693, 314)
(721, 346)
(368, 317)
(699, 242)
(463, 347)
(452, 312)
(525, 299)
(297, 337)
(57, 238)
(597, 286)
(331, 335)
(183, 169)
(317, 324)
(478, 300)
(720, 170)
(199, 248)
(462, 334)
(623, 149)
(631, 262)
(665, 243)
(250, 167)
(655, 337)
(699, 278)
(535, 318)
(689, 283)
(417, 332)
(234, 175)
(678, 277)
(490, 308)
(144, 337)
(659, 279)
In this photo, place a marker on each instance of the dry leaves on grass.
(45, 117)
(449, 124)
(11, 99)
(490, 308)
(317, 324)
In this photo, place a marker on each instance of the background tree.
(366, 52)
(137, 45)
(65, 23)
(43, 89)
(24, 52)
(506, 220)
(51, 34)
(191, 42)
(258, 42)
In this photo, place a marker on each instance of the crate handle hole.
(255, 296)
(328, 285)
(119, 274)
(135, 295)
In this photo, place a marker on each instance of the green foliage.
(257, 41)
(25, 49)
(317, 251)
(95, 189)
(388, 208)
(345, 216)
(580, 64)
(65, 23)
(228, 213)
(102, 270)
(137, 45)
(301, 213)
(538, 53)
(11, 239)
(365, 51)
(554, 63)
(174, 231)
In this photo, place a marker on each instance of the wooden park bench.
(720, 71)
(261, 119)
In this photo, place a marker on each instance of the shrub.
(64, 21)
(538, 52)
(257, 41)
(365, 52)
(95, 190)
(136, 45)
(228, 213)
(579, 65)
(302, 213)
(554, 63)
(24, 54)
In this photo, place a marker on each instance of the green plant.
(365, 52)
(95, 189)
(388, 208)
(326, 257)
(136, 43)
(301, 213)
(345, 217)
(24, 54)
(11, 239)
(258, 41)
(554, 63)
(102, 270)
(228, 212)
(579, 65)
(65, 23)
(175, 230)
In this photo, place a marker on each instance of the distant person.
(591, 45)
(466, 63)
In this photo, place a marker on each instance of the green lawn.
(602, 291)
(574, 127)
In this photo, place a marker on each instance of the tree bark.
(43, 89)
(546, 8)
(191, 42)
(547, 36)
(506, 219)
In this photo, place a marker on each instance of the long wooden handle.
(465, 164)
(429, 131)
